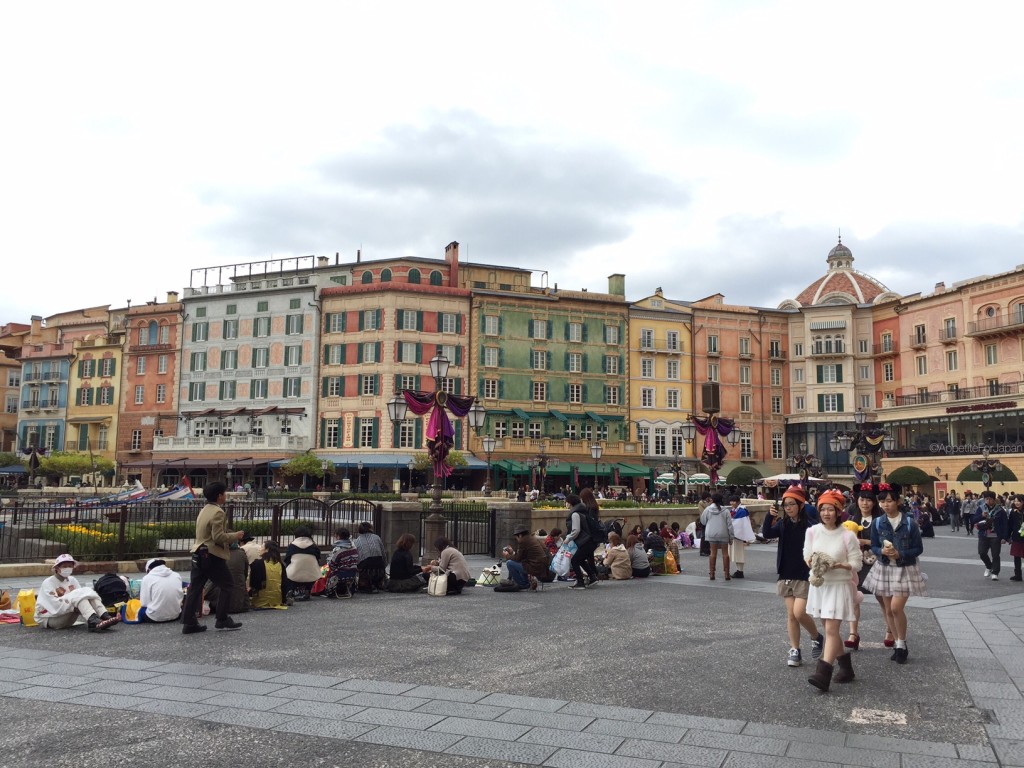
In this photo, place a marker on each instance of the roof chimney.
(617, 285)
(940, 287)
(322, 261)
(451, 255)
(172, 297)
(359, 255)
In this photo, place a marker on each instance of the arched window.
(818, 347)
(435, 278)
(1018, 313)
(840, 344)
(385, 275)
(828, 345)
(367, 278)
(414, 276)
(154, 330)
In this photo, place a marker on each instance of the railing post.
(275, 522)
(229, 510)
(122, 523)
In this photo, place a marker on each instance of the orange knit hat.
(833, 497)
(795, 492)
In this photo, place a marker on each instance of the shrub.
(99, 541)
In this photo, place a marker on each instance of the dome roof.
(842, 284)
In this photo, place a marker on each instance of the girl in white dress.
(832, 600)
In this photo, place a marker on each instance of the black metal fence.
(36, 530)
(469, 526)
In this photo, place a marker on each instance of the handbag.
(561, 562)
(489, 576)
(438, 584)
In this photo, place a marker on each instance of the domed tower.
(841, 284)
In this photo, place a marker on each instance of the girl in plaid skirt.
(896, 575)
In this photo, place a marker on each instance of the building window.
(888, 372)
(106, 395)
(449, 385)
(611, 395)
(746, 445)
(922, 365)
(332, 386)
(370, 352)
(534, 430)
(229, 359)
(647, 397)
(334, 354)
(140, 394)
(161, 364)
(660, 435)
(830, 403)
(575, 393)
(887, 342)
(491, 325)
(490, 389)
(11, 404)
(407, 352)
(196, 392)
(230, 329)
(646, 338)
(865, 372)
(712, 371)
(744, 346)
(798, 375)
(540, 360)
(919, 334)
(227, 390)
(777, 445)
(140, 366)
(518, 429)
(366, 433)
(293, 325)
(136, 440)
(672, 341)
(293, 356)
(368, 384)
(611, 364)
(200, 331)
(800, 404)
(828, 374)
(865, 401)
(410, 320)
(198, 361)
(449, 323)
(776, 404)
(260, 357)
(672, 399)
(258, 389)
(540, 391)
(436, 278)
(611, 334)
(745, 401)
(575, 362)
(540, 329)
(107, 367)
(293, 386)
(261, 327)
(677, 441)
(744, 374)
(575, 332)
(798, 349)
(500, 430)
(672, 370)
(713, 345)
(647, 368)
(951, 361)
(776, 377)
(256, 427)
(991, 357)
(491, 357)
(862, 345)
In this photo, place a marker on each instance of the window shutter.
(565, 330)
(501, 324)
(113, 367)
(622, 366)
(323, 393)
(839, 376)
(483, 322)
(323, 429)
(376, 383)
(820, 374)
(501, 357)
(81, 368)
(584, 393)
(341, 386)
(458, 435)
(327, 321)
(83, 437)
(501, 388)
(529, 329)
(565, 393)
(821, 403)
(394, 435)
(419, 353)
(440, 321)
(399, 319)
(377, 353)
(458, 324)
(341, 353)
(458, 355)
(604, 363)
(327, 352)
(380, 319)
(90, 395)
(586, 357)
(359, 353)
(78, 394)
(360, 321)
(344, 317)
(419, 320)
(567, 361)
(549, 329)
(376, 430)
(418, 434)
(398, 383)
(458, 386)
(839, 403)
(548, 360)
(418, 385)
(584, 331)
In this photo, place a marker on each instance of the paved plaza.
(666, 672)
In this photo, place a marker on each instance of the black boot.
(845, 672)
(822, 677)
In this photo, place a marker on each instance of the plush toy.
(852, 526)
(820, 564)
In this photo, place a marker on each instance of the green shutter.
(90, 395)
(83, 437)
(360, 321)
(529, 329)
(548, 362)
(586, 357)
(419, 354)
(622, 365)
(821, 402)
(78, 396)
(399, 319)
(440, 321)
(458, 355)
(839, 403)
(359, 353)
(820, 373)
(458, 435)
(565, 394)
(839, 376)
(501, 387)
(376, 432)
(327, 353)
(81, 369)
(418, 434)
(501, 324)
(327, 321)
(565, 330)
(584, 331)
(376, 384)
(567, 361)
(584, 393)
(549, 329)
(380, 319)
(501, 357)
(323, 429)
(458, 324)
(398, 383)
(378, 351)
(323, 392)
(419, 320)
(604, 363)
(113, 367)
(458, 386)
(483, 321)
(418, 385)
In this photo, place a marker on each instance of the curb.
(17, 570)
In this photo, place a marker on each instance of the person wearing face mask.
(62, 600)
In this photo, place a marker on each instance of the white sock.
(901, 643)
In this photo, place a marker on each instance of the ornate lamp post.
(325, 465)
(412, 466)
(596, 450)
(987, 467)
(440, 433)
(227, 474)
(489, 444)
(541, 462)
(712, 427)
(677, 467)
(805, 464)
(359, 477)
(868, 441)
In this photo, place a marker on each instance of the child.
(62, 600)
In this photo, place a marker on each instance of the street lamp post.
(227, 474)
(712, 453)
(489, 444)
(359, 477)
(677, 468)
(325, 465)
(987, 467)
(868, 441)
(805, 464)
(412, 466)
(541, 462)
(596, 450)
(440, 433)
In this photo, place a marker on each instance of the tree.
(307, 463)
(742, 475)
(67, 463)
(907, 476)
(9, 459)
(454, 459)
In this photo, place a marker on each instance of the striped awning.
(558, 415)
(521, 414)
(595, 417)
(827, 325)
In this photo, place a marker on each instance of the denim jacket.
(906, 539)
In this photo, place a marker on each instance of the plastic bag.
(27, 607)
(561, 562)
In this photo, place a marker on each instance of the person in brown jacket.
(527, 564)
(210, 561)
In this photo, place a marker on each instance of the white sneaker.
(794, 659)
(987, 573)
(994, 577)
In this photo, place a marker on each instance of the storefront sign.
(348, 432)
(981, 407)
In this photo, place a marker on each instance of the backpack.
(111, 589)
(597, 530)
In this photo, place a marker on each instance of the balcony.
(29, 405)
(1000, 325)
(828, 352)
(714, 353)
(149, 347)
(661, 346)
(948, 336)
(885, 349)
(776, 355)
(958, 395)
(232, 442)
(917, 341)
(745, 354)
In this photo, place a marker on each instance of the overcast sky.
(701, 147)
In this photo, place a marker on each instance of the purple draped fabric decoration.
(713, 455)
(440, 432)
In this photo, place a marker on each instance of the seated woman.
(161, 593)
(343, 566)
(656, 544)
(373, 558)
(302, 563)
(267, 582)
(639, 564)
(450, 560)
(238, 597)
(617, 559)
(62, 600)
(405, 575)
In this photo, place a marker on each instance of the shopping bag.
(438, 584)
(489, 576)
(27, 607)
(671, 566)
(561, 562)
(131, 612)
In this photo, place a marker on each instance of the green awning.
(632, 470)
(558, 415)
(521, 414)
(595, 417)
